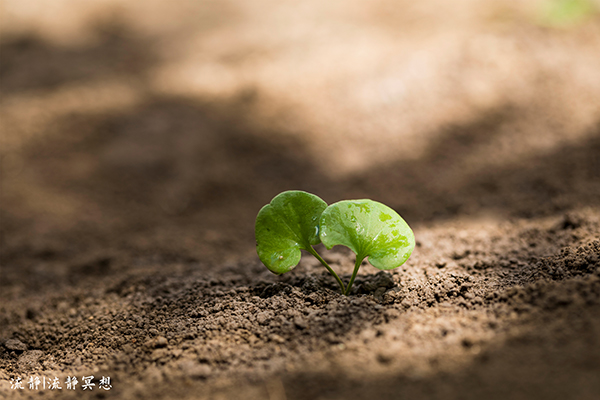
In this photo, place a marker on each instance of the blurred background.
(159, 128)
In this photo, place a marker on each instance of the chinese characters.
(70, 383)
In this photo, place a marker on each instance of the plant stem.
(357, 265)
(312, 251)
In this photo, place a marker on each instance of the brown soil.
(139, 142)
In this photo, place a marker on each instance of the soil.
(138, 144)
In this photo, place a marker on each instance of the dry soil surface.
(140, 139)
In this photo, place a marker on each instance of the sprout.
(296, 220)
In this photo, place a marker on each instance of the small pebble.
(160, 342)
(15, 344)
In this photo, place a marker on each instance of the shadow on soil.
(184, 178)
(175, 162)
(31, 63)
(542, 184)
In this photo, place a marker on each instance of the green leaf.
(566, 13)
(285, 226)
(370, 229)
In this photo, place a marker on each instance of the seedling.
(296, 220)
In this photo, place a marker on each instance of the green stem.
(312, 251)
(357, 265)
